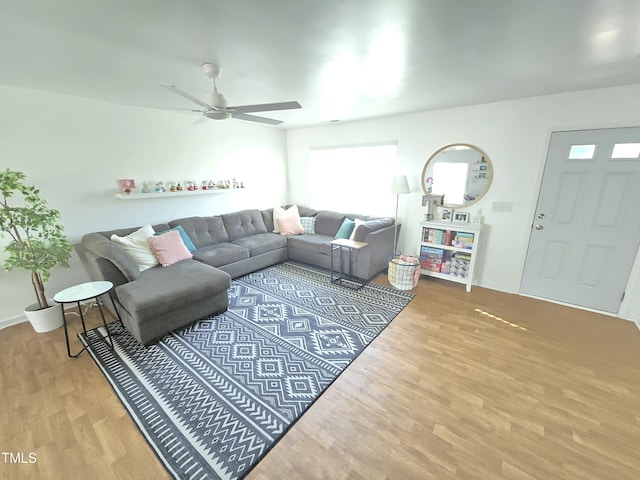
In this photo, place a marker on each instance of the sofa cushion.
(328, 223)
(358, 222)
(169, 248)
(177, 286)
(203, 231)
(262, 243)
(244, 223)
(280, 213)
(221, 254)
(306, 211)
(290, 225)
(346, 229)
(267, 218)
(313, 243)
(183, 235)
(309, 224)
(136, 244)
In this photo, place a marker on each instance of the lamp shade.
(399, 184)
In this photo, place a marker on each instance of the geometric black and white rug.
(213, 398)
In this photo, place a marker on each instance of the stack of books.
(460, 265)
(431, 258)
(463, 240)
(437, 236)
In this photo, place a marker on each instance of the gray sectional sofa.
(158, 300)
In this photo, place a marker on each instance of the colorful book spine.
(431, 258)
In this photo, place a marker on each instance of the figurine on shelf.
(429, 184)
(234, 183)
(212, 185)
(172, 187)
(204, 185)
(160, 187)
(127, 186)
(241, 184)
(145, 187)
(179, 187)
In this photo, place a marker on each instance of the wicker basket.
(404, 272)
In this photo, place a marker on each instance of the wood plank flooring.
(484, 385)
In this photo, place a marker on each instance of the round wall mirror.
(461, 172)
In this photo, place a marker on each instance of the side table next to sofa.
(80, 293)
(341, 244)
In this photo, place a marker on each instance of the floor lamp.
(399, 185)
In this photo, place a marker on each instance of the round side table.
(79, 293)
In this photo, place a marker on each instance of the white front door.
(586, 229)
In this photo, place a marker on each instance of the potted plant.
(37, 244)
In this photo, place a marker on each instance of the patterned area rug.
(213, 398)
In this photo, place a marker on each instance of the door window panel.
(582, 152)
(626, 150)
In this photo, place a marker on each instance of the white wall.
(514, 134)
(74, 150)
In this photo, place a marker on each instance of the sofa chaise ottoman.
(157, 300)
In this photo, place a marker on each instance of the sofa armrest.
(99, 247)
(371, 226)
(375, 256)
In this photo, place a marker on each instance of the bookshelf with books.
(448, 250)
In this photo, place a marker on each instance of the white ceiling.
(341, 59)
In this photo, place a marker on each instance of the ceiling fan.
(215, 105)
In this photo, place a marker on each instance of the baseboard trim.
(586, 309)
(8, 322)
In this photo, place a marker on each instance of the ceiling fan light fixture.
(217, 115)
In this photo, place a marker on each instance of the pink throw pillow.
(290, 225)
(169, 248)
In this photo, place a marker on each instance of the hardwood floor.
(484, 385)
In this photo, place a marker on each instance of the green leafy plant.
(38, 243)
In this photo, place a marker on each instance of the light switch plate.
(502, 207)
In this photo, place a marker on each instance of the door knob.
(539, 227)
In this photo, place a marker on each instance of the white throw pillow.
(279, 212)
(358, 223)
(137, 245)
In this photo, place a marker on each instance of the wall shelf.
(183, 193)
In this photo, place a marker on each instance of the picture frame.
(446, 214)
(461, 217)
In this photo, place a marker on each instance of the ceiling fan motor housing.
(216, 99)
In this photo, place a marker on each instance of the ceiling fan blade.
(255, 118)
(201, 119)
(184, 94)
(266, 107)
(194, 110)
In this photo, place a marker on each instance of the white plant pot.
(44, 320)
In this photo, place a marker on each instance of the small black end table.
(80, 293)
(352, 282)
